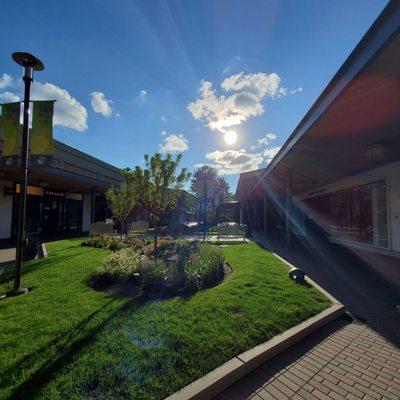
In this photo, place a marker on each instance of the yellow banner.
(11, 129)
(42, 128)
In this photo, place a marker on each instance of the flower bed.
(173, 267)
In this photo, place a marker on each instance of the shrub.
(204, 267)
(135, 243)
(120, 264)
(104, 242)
(152, 274)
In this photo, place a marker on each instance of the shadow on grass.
(66, 348)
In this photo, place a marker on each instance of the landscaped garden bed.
(173, 267)
(66, 340)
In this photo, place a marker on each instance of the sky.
(222, 82)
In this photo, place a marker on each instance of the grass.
(65, 340)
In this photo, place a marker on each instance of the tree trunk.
(155, 238)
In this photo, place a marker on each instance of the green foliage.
(105, 242)
(204, 267)
(121, 201)
(209, 189)
(158, 185)
(115, 244)
(152, 274)
(120, 264)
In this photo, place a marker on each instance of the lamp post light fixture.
(30, 64)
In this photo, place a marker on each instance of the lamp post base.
(17, 292)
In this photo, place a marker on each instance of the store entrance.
(51, 214)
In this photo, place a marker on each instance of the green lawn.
(64, 340)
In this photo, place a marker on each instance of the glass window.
(358, 214)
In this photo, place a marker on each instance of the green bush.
(135, 243)
(115, 244)
(204, 267)
(105, 242)
(152, 274)
(120, 264)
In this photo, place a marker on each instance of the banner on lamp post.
(42, 128)
(11, 129)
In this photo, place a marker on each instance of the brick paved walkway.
(341, 361)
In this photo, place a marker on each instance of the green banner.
(42, 128)
(11, 129)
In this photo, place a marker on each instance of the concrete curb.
(210, 385)
(43, 250)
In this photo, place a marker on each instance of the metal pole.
(28, 78)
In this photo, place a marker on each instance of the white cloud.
(232, 64)
(100, 104)
(260, 84)
(6, 81)
(234, 161)
(68, 112)
(270, 153)
(174, 143)
(299, 89)
(222, 112)
(269, 137)
(163, 119)
(9, 97)
(163, 133)
(142, 95)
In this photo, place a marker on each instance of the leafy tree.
(209, 189)
(121, 202)
(158, 186)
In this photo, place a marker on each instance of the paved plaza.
(343, 360)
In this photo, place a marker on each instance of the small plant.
(204, 267)
(120, 264)
(152, 274)
(105, 242)
(135, 243)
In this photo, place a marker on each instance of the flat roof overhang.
(56, 178)
(359, 108)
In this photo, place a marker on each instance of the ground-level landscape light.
(297, 274)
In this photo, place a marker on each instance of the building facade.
(65, 192)
(338, 174)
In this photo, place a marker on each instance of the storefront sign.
(53, 193)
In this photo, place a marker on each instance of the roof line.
(387, 24)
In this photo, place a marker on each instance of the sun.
(230, 137)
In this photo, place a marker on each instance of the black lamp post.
(30, 64)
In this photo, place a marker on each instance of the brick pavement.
(344, 360)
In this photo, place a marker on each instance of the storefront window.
(358, 214)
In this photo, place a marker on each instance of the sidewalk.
(343, 360)
(6, 256)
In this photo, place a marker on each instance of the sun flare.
(230, 137)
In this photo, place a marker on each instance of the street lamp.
(30, 64)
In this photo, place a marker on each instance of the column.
(241, 215)
(265, 213)
(254, 215)
(93, 216)
(288, 211)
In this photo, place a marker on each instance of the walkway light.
(30, 64)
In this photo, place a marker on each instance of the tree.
(158, 186)
(121, 202)
(209, 189)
